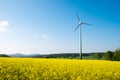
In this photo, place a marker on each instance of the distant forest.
(109, 55)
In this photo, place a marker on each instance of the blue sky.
(46, 26)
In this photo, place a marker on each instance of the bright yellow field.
(58, 69)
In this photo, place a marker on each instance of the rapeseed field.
(58, 69)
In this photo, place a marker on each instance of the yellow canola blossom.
(58, 69)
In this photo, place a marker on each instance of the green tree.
(116, 55)
(97, 55)
(108, 55)
(3, 55)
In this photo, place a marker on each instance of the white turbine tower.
(80, 23)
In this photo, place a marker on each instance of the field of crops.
(58, 69)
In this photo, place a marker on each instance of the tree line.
(109, 55)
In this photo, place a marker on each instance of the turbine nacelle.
(80, 22)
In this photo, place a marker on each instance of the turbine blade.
(78, 17)
(86, 23)
(77, 27)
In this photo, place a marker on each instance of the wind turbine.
(80, 23)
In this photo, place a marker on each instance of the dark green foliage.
(3, 55)
(108, 55)
(62, 55)
(116, 55)
(68, 55)
(112, 55)
(97, 55)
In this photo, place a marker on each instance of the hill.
(57, 55)
(24, 55)
(3, 55)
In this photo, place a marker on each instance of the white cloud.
(44, 37)
(4, 23)
(4, 26)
